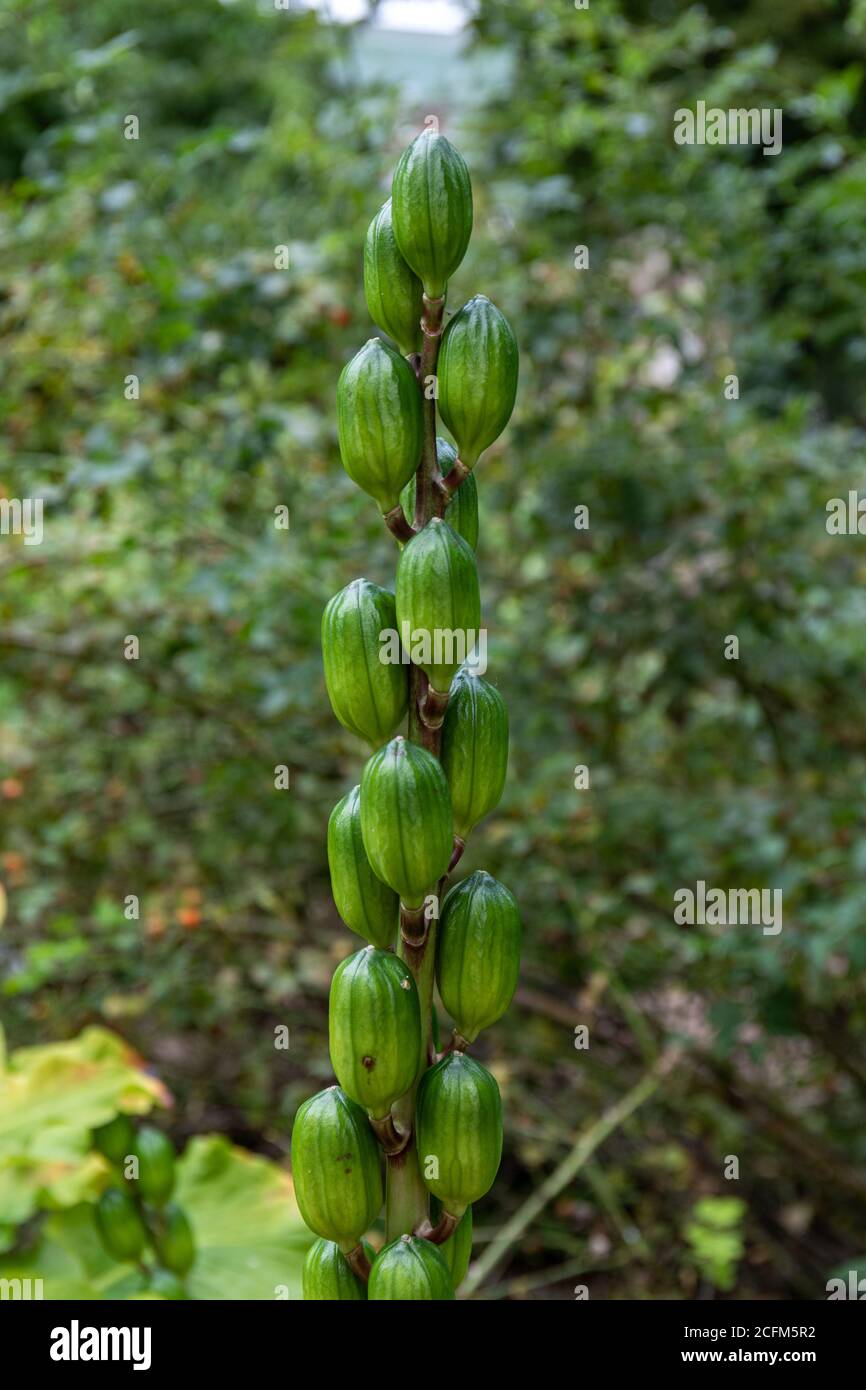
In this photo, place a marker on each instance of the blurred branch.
(761, 1107)
(768, 1118)
(567, 1170)
(602, 1187)
(526, 1283)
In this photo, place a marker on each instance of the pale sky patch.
(404, 16)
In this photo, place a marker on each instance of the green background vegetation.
(707, 517)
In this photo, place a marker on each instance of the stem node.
(431, 319)
(432, 705)
(358, 1263)
(456, 854)
(456, 474)
(397, 524)
(442, 1231)
(392, 1140)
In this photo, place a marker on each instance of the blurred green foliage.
(51, 1099)
(250, 1239)
(154, 777)
(716, 1238)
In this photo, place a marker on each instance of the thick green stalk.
(428, 499)
(421, 960)
(407, 1203)
(419, 732)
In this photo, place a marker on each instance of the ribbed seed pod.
(406, 819)
(458, 1122)
(375, 1029)
(462, 513)
(119, 1223)
(379, 422)
(115, 1140)
(393, 291)
(366, 904)
(327, 1276)
(457, 1249)
(431, 197)
(336, 1167)
(174, 1240)
(155, 1153)
(410, 1269)
(370, 697)
(438, 602)
(474, 749)
(477, 374)
(478, 952)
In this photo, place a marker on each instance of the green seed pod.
(166, 1284)
(155, 1153)
(477, 375)
(431, 199)
(375, 1029)
(336, 1167)
(393, 291)
(119, 1224)
(410, 1269)
(462, 513)
(406, 819)
(174, 1240)
(116, 1139)
(478, 952)
(474, 749)
(366, 904)
(328, 1277)
(457, 1249)
(458, 1121)
(370, 697)
(379, 422)
(438, 602)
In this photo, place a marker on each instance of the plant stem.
(391, 1140)
(358, 1262)
(432, 707)
(419, 732)
(447, 486)
(397, 524)
(421, 960)
(428, 500)
(406, 1199)
(443, 1230)
(407, 1203)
